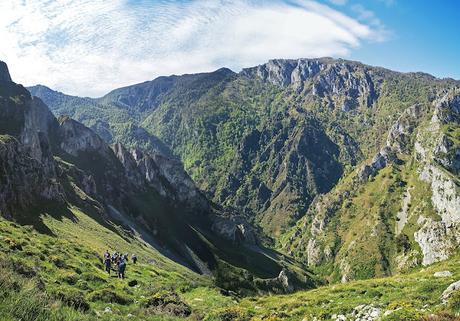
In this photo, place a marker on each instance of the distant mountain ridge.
(306, 149)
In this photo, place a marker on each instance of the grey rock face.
(328, 77)
(435, 239)
(76, 138)
(39, 124)
(23, 179)
(439, 239)
(450, 289)
(234, 229)
(168, 176)
(4, 73)
(130, 165)
(398, 141)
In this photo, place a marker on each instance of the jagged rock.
(447, 108)
(435, 240)
(24, 179)
(76, 138)
(398, 141)
(285, 281)
(449, 290)
(329, 77)
(39, 125)
(4, 73)
(234, 229)
(366, 313)
(167, 176)
(132, 171)
(399, 136)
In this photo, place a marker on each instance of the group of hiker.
(118, 261)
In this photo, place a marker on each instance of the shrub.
(406, 314)
(454, 302)
(168, 303)
(231, 314)
(21, 267)
(70, 278)
(13, 244)
(442, 316)
(58, 262)
(132, 283)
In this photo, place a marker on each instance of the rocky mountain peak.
(76, 137)
(347, 84)
(4, 73)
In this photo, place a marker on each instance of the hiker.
(126, 257)
(108, 263)
(134, 258)
(121, 268)
(115, 257)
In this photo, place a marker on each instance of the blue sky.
(88, 47)
(425, 36)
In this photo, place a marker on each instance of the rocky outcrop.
(449, 291)
(440, 238)
(4, 73)
(75, 138)
(235, 229)
(348, 81)
(165, 175)
(398, 142)
(285, 282)
(442, 274)
(131, 169)
(24, 180)
(28, 166)
(360, 313)
(38, 134)
(436, 240)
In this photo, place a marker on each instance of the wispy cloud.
(88, 47)
(381, 33)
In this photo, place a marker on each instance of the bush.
(406, 314)
(21, 267)
(403, 243)
(454, 302)
(70, 278)
(132, 283)
(58, 262)
(168, 303)
(231, 314)
(442, 316)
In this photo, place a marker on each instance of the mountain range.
(284, 144)
(282, 177)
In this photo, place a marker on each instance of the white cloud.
(88, 47)
(380, 32)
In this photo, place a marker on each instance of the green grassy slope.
(410, 296)
(61, 277)
(67, 265)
